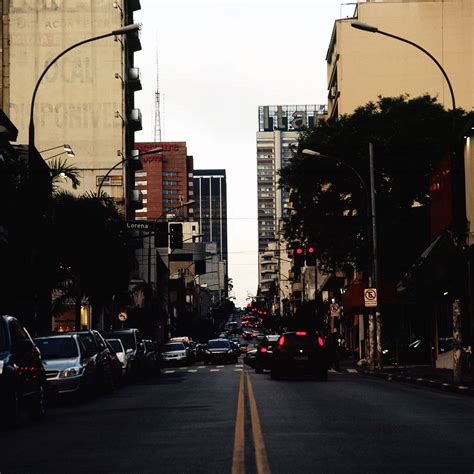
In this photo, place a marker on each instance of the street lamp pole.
(458, 166)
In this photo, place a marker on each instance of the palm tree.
(60, 170)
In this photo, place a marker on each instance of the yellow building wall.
(78, 98)
(370, 64)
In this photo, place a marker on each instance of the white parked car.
(122, 356)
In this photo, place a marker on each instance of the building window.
(170, 191)
(170, 183)
(170, 173)
(140, 183)
(140, 174)
(170, 201)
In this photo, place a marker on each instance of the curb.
(447, 387)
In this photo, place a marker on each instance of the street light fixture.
(458, 166)
(372, 235)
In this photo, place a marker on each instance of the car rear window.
(57, 347)
(218, 344)
(176, 346)
(295, 340)
(116, 345)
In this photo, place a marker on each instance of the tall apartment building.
(277, 132)
(166, 180)
(86, 99)
(210, 209)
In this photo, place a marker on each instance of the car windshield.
(3, 337)
(116, 345)
(57, 347)
(218, 344)
(89, 343)
(176, 346)
(128, 340)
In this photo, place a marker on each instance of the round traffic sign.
(122, 316)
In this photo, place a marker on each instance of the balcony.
(135, 120)
(133, 79)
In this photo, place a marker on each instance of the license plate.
(300, 357)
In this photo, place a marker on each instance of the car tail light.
(263, 349)
(320, 341)
(301, 333)
(281, 341)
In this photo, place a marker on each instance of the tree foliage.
(330, 202)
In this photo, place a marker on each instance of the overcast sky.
(218, 61)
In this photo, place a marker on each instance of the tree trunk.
(457, 336)
(378, 322)
(371, 340)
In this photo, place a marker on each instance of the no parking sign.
(370, 297)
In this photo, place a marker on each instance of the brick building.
(166, 180)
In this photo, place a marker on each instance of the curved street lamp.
(119, 31)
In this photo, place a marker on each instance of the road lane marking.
(238, 456)
(352, 371)
(215, 370)
(169, 371)
(263, 466)
(192, 370)
(238, 370)
(220, 366)
(201, 367)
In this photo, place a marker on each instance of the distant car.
(174, 353)
(220, 350)
(300, 353)
(264, 354)
(121, 354)
(68, 368)
(132, 340)
(22, 375)
(117, 373)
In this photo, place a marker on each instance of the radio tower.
(157, 137)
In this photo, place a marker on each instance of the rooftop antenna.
(157, 137)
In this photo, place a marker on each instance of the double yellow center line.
(238, 458)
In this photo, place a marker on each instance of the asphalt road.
(220, 419)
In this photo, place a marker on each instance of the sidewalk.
(441, 379)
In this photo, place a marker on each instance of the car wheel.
(38, 406)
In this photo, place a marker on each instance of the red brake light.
(281, 341)
(263, 349)
(301, 333)
(320, 341)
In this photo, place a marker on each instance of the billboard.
(288, 117)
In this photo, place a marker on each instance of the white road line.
(352, 371)
(183, 368)
(331, 371)
(201, 367)
(169, 371)
(192, 370)
(220, 366)
(215, 370)
(238, 370)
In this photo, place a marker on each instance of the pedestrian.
(333, 350)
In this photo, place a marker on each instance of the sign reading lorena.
(141, 225)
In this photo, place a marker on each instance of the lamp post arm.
(107, 174)
(431, 57)
(31, 132)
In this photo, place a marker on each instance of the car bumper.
(67, 385)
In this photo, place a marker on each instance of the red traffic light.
(311, 250)
(299, 250)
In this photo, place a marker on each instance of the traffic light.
(161, 234)
(310, 256)
(298, 256)
(176, 236)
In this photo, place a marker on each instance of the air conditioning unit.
(136, 199)
(333, 92)
(135, 119)
(133, 79)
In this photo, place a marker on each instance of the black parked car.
(263, 358)
(99, 353)
(300, 353)
(22, 375)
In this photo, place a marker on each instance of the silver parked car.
(174, 353)
(68, 370)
